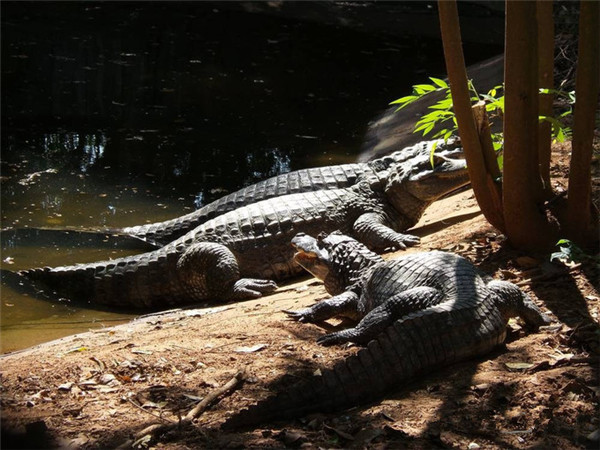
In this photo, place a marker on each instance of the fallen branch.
(195, 412)
(212, 396)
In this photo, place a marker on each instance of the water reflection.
(268, 163)
(89, 146)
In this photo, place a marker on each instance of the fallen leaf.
(254, 348)
(562, 356)
(77, 349)
(518, 365)
(107, 378)
(141, 352)
(100, 363)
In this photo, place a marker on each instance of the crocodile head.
(512, 301)
(335, 259)
(410, 188)
(418, 151)
(428, 183)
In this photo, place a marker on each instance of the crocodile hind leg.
(379, 318)
(210, 270)
(373, 230)
(344, 304)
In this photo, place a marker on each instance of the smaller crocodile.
(420, 312)
(304, 180)
(241, 253)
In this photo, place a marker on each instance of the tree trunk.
(582, 218)
(526, 225)
(546, 80)
(487, 192)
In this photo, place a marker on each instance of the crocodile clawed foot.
(332, 339)
(302, 315)
(253, 288)
(406, 240)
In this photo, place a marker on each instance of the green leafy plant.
(442, 114)
(570, 252)
(560, 132)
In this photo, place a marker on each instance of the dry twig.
(197, 410)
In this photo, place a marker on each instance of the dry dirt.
(100, 389)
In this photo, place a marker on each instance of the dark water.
(117, 114)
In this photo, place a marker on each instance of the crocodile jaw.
(311, 256)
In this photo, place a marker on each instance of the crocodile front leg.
(373, 230)
(344, 304)
(210, 270)
(378, 319)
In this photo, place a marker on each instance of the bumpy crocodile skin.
(252, 243)
(419, 313)
(305, 180)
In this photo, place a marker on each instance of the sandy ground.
(101, 389)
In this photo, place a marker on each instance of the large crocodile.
(232, 255)
(420, 312)
(305, 180)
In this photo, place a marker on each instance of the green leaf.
(424, 88)
(428, 129)
(420, 127)
(439, 82)
(566, 113)
(448, 135)
(431, 153)
(405, 100)
(436, 115)
(442, 104)
(500, 160)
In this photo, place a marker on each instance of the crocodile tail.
(137, 281)
(426, 340)
(71, 282)
(161, 233)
